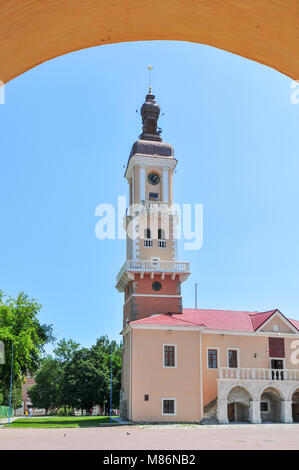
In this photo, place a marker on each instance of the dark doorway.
(295, 406)
(271, 413)
(277, 365)
(231, 412)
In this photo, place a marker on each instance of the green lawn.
(61, 422)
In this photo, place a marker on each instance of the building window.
(212, 359)
(156, 285)
(148, 242)
(168, 406)
(161, 243)
(264, 406)
(169, 356)
(146, 397)
(153, 196)
(161, 234)
(232, 358)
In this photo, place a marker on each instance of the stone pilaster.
(255, 412)
(222, 411)
(287, 411)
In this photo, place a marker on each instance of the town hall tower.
(151, 276)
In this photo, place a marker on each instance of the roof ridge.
(163, 315)
(223, 310)
(189, 321)
(261, 313)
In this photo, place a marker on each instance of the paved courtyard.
(267, 436)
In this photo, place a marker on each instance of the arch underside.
(34, 31)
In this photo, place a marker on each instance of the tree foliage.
(20, 327)
(45, 394)
(81, 377)
(65, 350)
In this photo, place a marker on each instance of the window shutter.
(276, 347)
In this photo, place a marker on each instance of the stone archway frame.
(34, 31)
(293, 391)
(284, 388)
(224, 389)
(255, 388)
(240, 401)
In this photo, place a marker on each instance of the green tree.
(16, 395)
(86, 377)
(65, 350)
(104, 345)
(45, 394)
(64, 353)
(20, 326)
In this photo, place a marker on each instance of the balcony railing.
(258, 374)
(153, 266)
(161, 266)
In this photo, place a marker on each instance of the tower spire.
(150, 111)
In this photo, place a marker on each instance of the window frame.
(175, 406)
(175, 356)
(147, 231)
(218, 357)
(268, 405)
(161, 234)
(238, 357)
(153, 196)
(278, 359)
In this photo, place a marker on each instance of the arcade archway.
(34, 31)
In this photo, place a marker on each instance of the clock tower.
(151, 276)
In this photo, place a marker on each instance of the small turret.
(150, 111)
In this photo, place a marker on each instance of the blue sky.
(67, 128)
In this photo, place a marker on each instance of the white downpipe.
(200, 373)
(130, 414)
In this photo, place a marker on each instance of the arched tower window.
(161, 234)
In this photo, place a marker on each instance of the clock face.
(153, 178)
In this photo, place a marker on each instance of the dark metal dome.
(150, 111)
(149, 147)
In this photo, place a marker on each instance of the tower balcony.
(132, 267)
(158, 206)
(152, 207)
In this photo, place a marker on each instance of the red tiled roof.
(257, 319)
(163, 319)
(214, 319)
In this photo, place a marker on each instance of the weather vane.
(150, 68)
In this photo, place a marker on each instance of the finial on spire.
(150, 68)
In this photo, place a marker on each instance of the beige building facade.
(214, 374)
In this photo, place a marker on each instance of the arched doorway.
(270, 404)
(295, 406)
(238, 405)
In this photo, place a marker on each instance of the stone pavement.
(168, 437)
